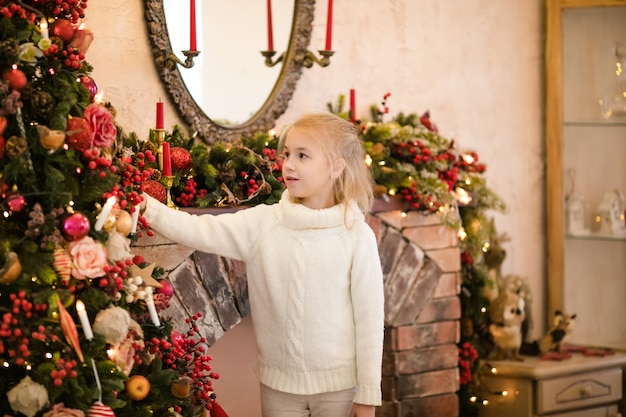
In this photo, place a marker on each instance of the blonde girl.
(314, 274)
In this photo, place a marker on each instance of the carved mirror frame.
(275, 105)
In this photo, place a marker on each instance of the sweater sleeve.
(368, 306)
(229, 234)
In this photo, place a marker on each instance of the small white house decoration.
(611, 213)
(576, 211)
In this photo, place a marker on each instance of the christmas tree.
(81, 331)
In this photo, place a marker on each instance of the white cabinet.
(582, 386)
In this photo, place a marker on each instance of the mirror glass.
(229, 80)
(229, 91)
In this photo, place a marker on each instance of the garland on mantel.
(410, 160)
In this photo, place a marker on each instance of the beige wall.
(475, 64)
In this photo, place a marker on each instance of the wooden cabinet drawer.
(579, 391)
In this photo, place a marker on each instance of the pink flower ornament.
(101, 122)
(89, 258)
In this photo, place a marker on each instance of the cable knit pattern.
(315, 287)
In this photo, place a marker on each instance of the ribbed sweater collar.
(298, 216)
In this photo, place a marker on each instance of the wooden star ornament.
(146, 275)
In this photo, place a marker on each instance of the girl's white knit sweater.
(315, 287)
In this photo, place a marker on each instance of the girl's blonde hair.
(339, 139)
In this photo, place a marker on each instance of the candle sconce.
(159, 136)
(171, 60)
(306, 58)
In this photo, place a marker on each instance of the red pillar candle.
(167, 160)
(352, 105)
(159, 115)
(270, 30)
(192, 25)
(329, 26)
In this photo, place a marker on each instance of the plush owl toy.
(506, 314)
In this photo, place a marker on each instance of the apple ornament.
(138, 387)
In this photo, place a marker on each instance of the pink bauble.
(166, 289)
(89, 84)
(100, 410)
(75, 227)
(17, 202)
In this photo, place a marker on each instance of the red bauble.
(181, 159)
(63, 29)
(16, 202)
(1, 146)
(89, 84)
(156, 190)
(15, 78)
(79, 133)
(75, 227)
(167, 289)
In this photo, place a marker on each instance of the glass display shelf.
(595, 123)
(597, 236)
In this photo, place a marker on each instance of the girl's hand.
(361, 410)
(142, 205)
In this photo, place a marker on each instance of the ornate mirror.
(187, 96)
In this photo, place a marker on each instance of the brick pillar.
(421, 266)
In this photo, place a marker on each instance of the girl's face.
(306, 171)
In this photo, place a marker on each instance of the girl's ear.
(339, 166)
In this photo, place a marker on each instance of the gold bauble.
(123, 223)
(181, 388)
(110, 223)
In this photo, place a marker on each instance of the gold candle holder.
(159, 135)
(169, 181)
(172, 60)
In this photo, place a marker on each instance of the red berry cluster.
(191, 194)
(12, 9)
(113, 281)
(467, 357)
(14, 336)
(63, 369)
(450, 176)
(469, 163)
(72, 58)
(419, 200)
(134, 172)
(74, 10)
(249, 184)
(97, 162)
(276, 162)
(186, 353)
(466, 258)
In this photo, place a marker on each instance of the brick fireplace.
(421, 262)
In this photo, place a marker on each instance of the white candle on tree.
(84, 320)
(151, 308)
(104, 214)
